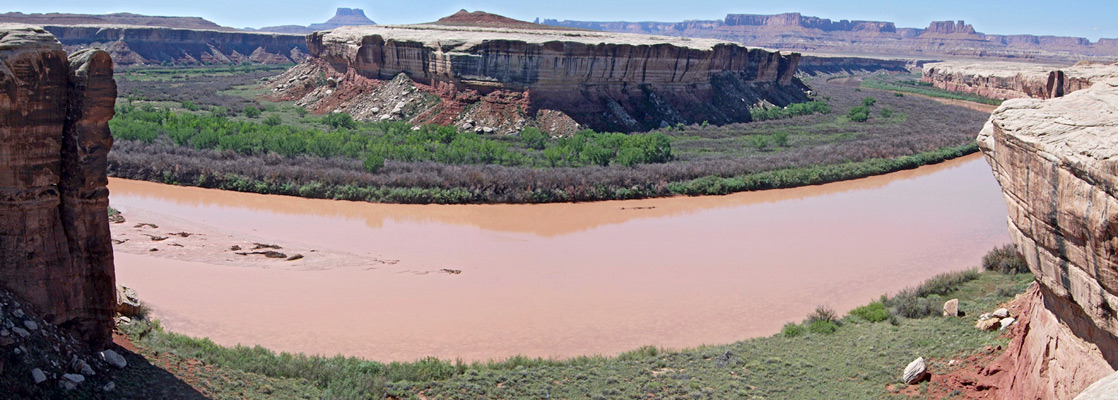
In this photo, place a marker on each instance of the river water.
(561, 280)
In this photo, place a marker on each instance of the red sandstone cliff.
(601, 80)
(1057, 163)
(54, 137)
(1003, 80)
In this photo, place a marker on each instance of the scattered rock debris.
(451, 271)
(258, 246)
(145, 224)
(269, 253)
(295, 257)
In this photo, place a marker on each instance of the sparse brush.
(822, 313)
(1005, 259)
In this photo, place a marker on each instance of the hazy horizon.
(992, 17)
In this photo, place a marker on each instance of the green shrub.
(792, 329)
(189, 105)
(373, 163)
(859, 114)
(759, 142)
(946, 282)
(252, 112)
(822, 327)
(869, 101)
(780, 138)
(533, 138)
(886, 113)
(873, 312)
(273, 120)
(1006, 260)
(907, 304)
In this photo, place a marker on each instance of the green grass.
(854, 359)
(926, 91)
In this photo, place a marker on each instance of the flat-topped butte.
(436, 36)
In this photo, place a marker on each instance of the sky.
(1091, 19)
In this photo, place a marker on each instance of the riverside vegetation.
(183, 128)
(866, 351)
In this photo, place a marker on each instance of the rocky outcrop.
(54, 138)
(1003, 80)
(795, 32)
(601, 80)
(815, 65)
(141, 45)
(1056, 163)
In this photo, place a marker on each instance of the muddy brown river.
(554, 280)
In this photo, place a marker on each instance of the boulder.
(1000, 313)
(1006, 322)
(38, 376)
(114, 359)
(915, 371)
(988, 324)
(71, 381)
(951, 308)
(1103, 389)
(127, 302)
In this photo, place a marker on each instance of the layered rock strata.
(1004, 80)
(1057, 163)
(145, 45)
(795, 32)
(601, 80)
(54, 138)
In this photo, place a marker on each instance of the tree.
(859, 114)
(373, 163)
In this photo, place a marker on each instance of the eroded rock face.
(602, 80)
(130, 45)
(54, 137)
(1057, 163)
(1002, 80)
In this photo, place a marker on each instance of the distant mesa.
(488, 20)
(113, 19)
(343, 17)
(796, 32)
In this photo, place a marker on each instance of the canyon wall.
(1004, 80)
(1057, 163)
(144, 45)
(600, 80)
(940, 40)
(54, 138)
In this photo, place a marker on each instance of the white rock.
(113, 359)
(109, 387)
(18, 313)
(1006, 322)
(915, 371)
(984, 316)
(23, 333)
(31, 325)
(70, 381)
(1000, 313)
(38, 376)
